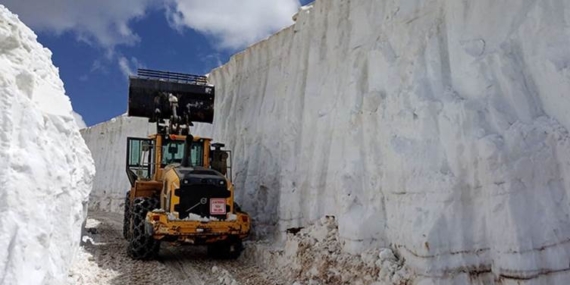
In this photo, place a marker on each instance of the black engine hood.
(200, 176)
(198, 186)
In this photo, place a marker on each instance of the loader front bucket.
(149, 91)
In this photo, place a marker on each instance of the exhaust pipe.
(186, 162)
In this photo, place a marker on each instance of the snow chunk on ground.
(314, 255)
(225, 277)
(47, 169)
(86, 271)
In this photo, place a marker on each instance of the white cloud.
(211, 60)
(106, 23)
(101, 22)
(97, 65)
(79, 120)
(129, 66)
(125, 67)
(233, 24)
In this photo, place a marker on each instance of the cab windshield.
(173, 152)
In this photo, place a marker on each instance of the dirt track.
(175, 265)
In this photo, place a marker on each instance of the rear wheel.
(127, 216)
(141, 244)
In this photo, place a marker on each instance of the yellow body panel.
(189, 231)
(145, 188)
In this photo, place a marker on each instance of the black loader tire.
(127, 216)
(141, 245)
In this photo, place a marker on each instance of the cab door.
(139, 159)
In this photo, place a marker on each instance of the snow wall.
(437, 128)
(108, 143)
(46, 168)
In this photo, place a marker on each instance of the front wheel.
(127, 216)
(141, 244)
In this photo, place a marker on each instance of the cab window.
(173, 152)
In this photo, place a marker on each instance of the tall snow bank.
(436, 127)
(108, 144)
(46, 168)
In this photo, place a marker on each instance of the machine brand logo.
(217, 206)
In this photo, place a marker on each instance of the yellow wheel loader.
(181, 188)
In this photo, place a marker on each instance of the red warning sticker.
(217, 206)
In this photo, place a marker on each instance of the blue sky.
(96, 44)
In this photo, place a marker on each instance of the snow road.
(110, 265)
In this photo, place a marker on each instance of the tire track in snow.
(109, 251)
(175, 265)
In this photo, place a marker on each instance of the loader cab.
(147, 158)
(173, 152)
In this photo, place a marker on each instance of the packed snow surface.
(436, 127)
(46, 168)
